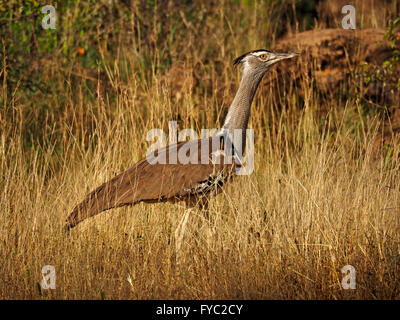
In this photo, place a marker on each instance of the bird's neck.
(239, 111)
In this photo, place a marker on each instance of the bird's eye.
(263, 56)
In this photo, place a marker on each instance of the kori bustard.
(151, 181)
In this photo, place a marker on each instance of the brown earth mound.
(337, 54)
(331, 56)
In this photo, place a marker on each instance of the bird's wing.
(150, 181)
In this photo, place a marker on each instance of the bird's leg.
(203, 204)
(179, 234)
(204, 226)
(208, 226)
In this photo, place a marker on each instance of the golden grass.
(283, 232)
(318, 200)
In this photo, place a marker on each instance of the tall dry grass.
(319, 198)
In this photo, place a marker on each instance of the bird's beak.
(283, 56)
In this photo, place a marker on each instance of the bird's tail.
(100, 199)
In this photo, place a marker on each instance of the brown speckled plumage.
(146, 182)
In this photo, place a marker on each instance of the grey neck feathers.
(239, 111)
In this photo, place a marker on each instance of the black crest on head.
(239, 59)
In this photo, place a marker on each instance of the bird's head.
(261, 60)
